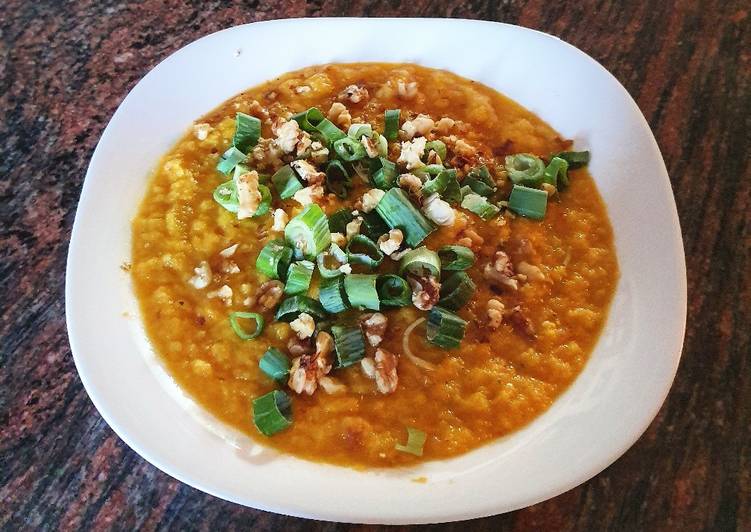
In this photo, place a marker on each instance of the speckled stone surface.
(65, 67)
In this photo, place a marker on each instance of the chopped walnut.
(318, 152)
(202, 276)
(339, 239)
(308, 172)
(520, 322)
(339, 115)
(406, 91)
(304, 325)
(224, 293)
(438, 210)
(258, 110)
(464, 149)
(549, 189)
(201, 131)
(420, 125)
(308, 369)
(374, 327)
(390, 242)
(444, 125)
(397, 255)
(411, 183)
(434, 158)
(353, 227)
(288, 134)
(385, 371)
(531, 272)
(306, 196)
(354, 94)
(470, 239)
(501, 272)
(298, 347)
(425, 291)
(269, 294)
(280, 220)
(267, 154)
(412, 152)
(371, 198)
(331, 386)
(495, 313)
(370, 145)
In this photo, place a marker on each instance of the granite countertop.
(65, 67)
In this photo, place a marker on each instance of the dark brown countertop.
(65, 67)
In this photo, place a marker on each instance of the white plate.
(593, 423)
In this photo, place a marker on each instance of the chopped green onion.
(357, 131)
(332, 296)
(247, 132)
(273, 260)
(456, 291)
(274, 364)
(465, 190)
(453, 193)
(393, 291)
(415, 442)
(309, 119)
(454, 258)
(529, 202)
(480, 206)
(265, 205)
(272, 412)
(556, 169)
(421, 262)
(437, 146)
(575, 159)
(339, 220)
(373, 225)
(349, 343)
(429, 169)
(329, 132)
(239, 331)
(226, 195)
(328, 264)
(439, 183)
(286, 182)
(229, 160)
(337, 179)
(525, 169)
(349, 149)
(361, 290)
(444, 328)
(293, 306)
(382, 145)
(382, 173)
(299, 275)
(398, 212)
(362, 250)
(391, 126)
(308, 232)
(338, 253)
(479, 180)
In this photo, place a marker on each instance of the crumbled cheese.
(412, 152)
(371, 198)
(287, 135)
(411, 182)
(345, 269)
(308, 172)
(280, 220)
(224, 293)
(464, 149)
(390, 242)
(248, 195)
(439, 210)
(318, 152)
(339, 239)
(303, 325)
(230, 267)
(201, 131)
(420, 125)
(308, 195)
(406, 91)
(444, 125)
(354, 94)
(353, 227)
(530, 271)
(302, 89)
(228, 252)
(339, 115)
(331, 385)
(202, 276)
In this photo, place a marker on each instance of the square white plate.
(595, 421)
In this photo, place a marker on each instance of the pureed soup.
(373, 264)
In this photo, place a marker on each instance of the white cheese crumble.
(439, 210)
(412, 152)
(228, 252)
(248, 195)
(371, 198)
(280, 220)
(201, 131)
(202, 276)
(224, 293)
(308, 195)
(303, 325)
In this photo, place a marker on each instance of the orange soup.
(373, 264)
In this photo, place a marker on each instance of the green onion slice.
(273, 260)
(349, 343)
(362, 250)
(421, 262)
(456, 291)
(308, 232)
(382, 145)
(358, 131)
(328, 263)
(480, 181)
(293, 306)
(328, 131)
(575, 159)
(299, 275)
(349, 149)
(226, 195)
(332, 295)
(274, 364)
(373, 225)
(393, 291)
(452, 193)
(272, 412)
(525, 169)
(229, 160)
(391, 126)
(247, 132)
(337, 179)
(415, 442)
(339, 220)
(286, 182)
(455, 258)
(529, 202)
(309, 119)
(444, 328)
(361, 290)
(398, 212)
(557, 170)
(242, 333)
(480, 206)
(439, 183)
(382, 173)
(437, 146)
(265, 206)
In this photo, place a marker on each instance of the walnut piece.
(269, 294)
(425, 291)
(501, 272)
(374, 327)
